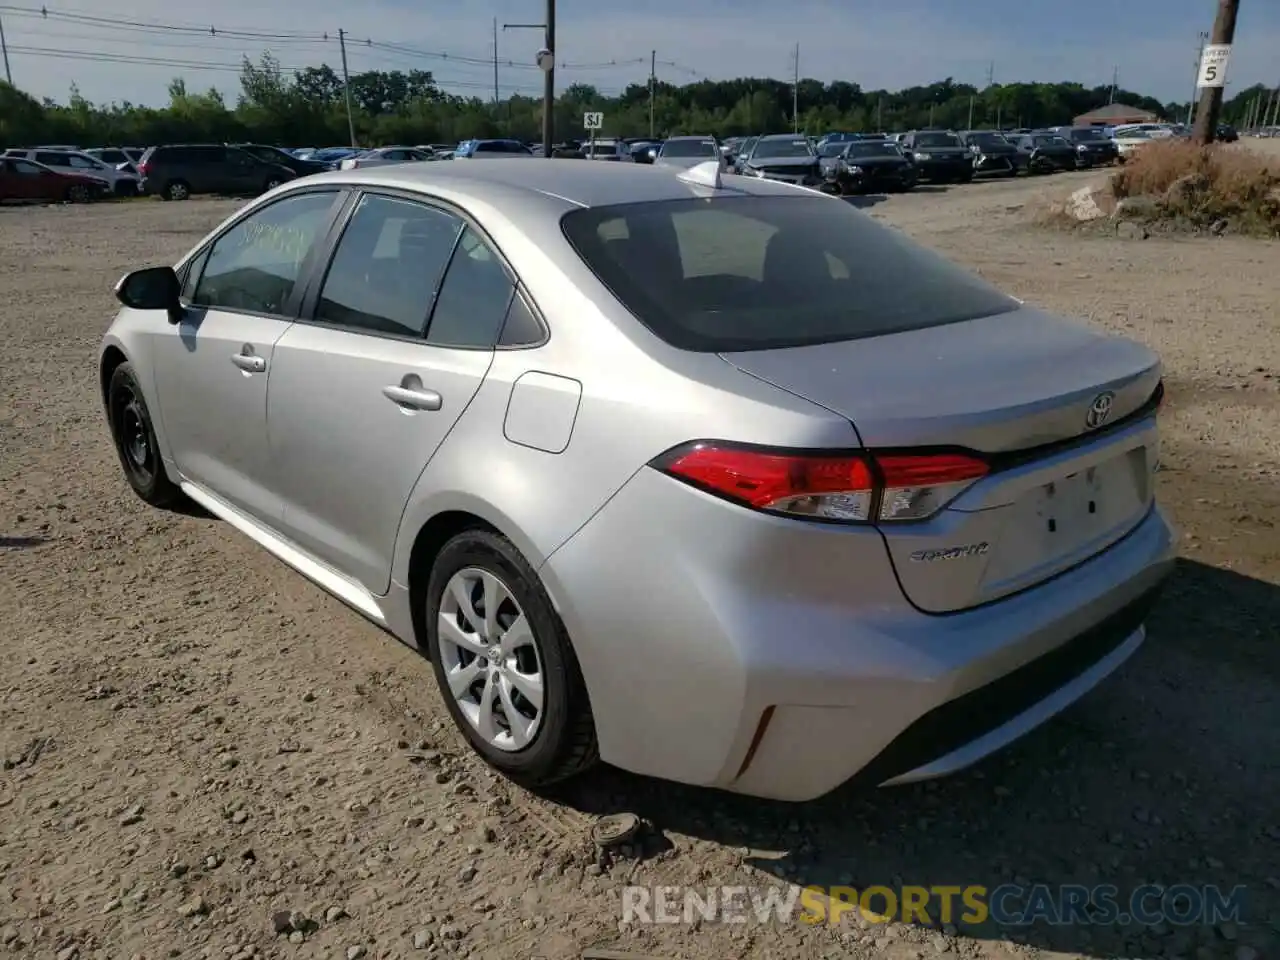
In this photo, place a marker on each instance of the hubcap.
(491, 659)
(133, 436)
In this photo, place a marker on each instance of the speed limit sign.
(1213, 65)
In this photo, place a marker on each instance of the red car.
(26, 180)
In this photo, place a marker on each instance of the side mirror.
(153, 288)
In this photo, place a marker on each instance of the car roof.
(691, 136)
(577, 184)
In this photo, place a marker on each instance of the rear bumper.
(776, 658)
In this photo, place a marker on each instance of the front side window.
(53, 159)
(474, 297)
(255, 265)
(387, 267)
(800, 270)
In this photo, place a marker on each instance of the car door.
(211, 369)
(395, 342)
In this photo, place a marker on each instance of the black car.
(1046, 152)
(938, 155)
(182, 170)
(992, 153)
(283, 158)
(1093, 147)
(787, 157)
(867, 166)
(1226, 133)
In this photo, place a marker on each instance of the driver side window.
(255, 265)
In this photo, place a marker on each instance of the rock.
(178, 870)
(334, 914)
(467, 873)
(451, 931)
(240, 816)
(110, 906)
(131, 817)
(1128, 230)
(356, 952)
(280, 922)
(1083, 204)
(8, 935)
(297, 936)
(423, 939)
(193, 907)
(301, 922)
(69, 953)
(1219, 227)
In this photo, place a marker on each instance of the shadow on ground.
(21, 543)
(1162, 776)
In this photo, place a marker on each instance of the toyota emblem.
(1099, 410)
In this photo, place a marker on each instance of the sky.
(876, 43)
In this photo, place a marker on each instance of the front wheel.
(504, 663)
(271, 184)
(177, 190)
(135, 439)
(78, 193)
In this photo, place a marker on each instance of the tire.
(176, 190)
(135, 440)
(271, 184)
(563, 741)
(78, 193)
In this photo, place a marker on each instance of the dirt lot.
(196, 739)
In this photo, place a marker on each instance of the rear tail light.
(144, 169)
(847, 487)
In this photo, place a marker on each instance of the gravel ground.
(205, 756)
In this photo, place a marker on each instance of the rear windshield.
(872, 148)
(690, 148)
(937, 140)
(782, 148)
(1088, 133)
(756, 273)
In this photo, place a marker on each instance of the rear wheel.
(271, 184)
(135, 439)
(78, 193)
(504, 664)
(177, 190)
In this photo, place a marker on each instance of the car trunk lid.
(1054, 407)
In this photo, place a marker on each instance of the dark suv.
(179, 171)
(1093, 147)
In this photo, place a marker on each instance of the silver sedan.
(718, 480)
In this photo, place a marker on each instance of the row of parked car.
(837, 163)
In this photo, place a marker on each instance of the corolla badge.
(951, 553)
(1099, 410)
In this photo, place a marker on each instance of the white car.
(121, 182)
(386, 155)
(1129, 141)
(607, 150)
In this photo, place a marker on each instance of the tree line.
(309, 107)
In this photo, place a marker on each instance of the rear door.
(397, 339)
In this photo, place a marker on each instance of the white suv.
(122, 183)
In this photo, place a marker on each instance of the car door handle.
(249, 363)
(413, 399)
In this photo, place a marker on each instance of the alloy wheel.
(491, 659)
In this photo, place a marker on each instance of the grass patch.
(1204, 187)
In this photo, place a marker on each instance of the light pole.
(547, 62)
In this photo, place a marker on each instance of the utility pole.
(991, 73)
(970, 127)
(4, 48)
(549, 87)
(1213, 71)
(1115, 82)
(653, 86)
(880, 115)
(495, 65)
(795, 93)
(1195, 90)
(346, 85)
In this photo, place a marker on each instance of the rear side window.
(384, 274)
(757, 273)
(474, 297)
(51, 159)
